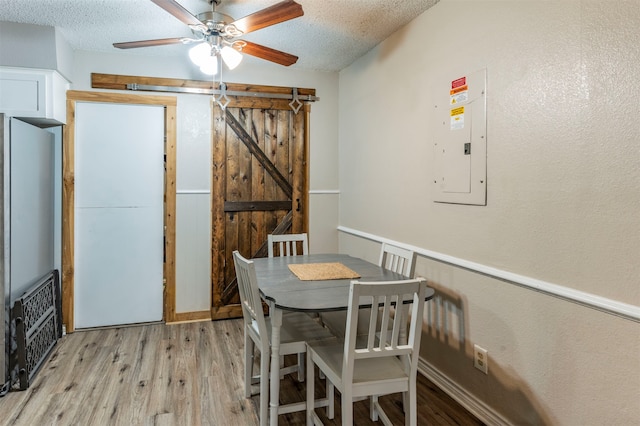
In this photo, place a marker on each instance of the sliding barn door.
(259, 187)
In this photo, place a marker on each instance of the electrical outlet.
(480, 359)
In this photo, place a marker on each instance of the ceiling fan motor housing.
(218, 24)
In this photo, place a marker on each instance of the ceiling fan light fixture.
(200, 53)
(210, 65)
(231, 57)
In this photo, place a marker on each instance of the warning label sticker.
(459, 89)
(457, 118)
(459, 98)
(459, 95)
(462, 81)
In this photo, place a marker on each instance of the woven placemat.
(322, 271)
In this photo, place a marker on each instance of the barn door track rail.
(297, 96)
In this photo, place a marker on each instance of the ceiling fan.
(216, 34)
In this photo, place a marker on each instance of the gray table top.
(279, 285)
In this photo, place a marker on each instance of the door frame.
(68, 196)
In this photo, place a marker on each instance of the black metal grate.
(36, 327)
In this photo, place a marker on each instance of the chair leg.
(373, 411)
(248, 364)
(301, 367)
(264, 388)
(310, 389)
(347, 407)
(411, 410)
(331, 408)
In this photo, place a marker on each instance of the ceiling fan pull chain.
(223, 87)
(295, 104)
(223, 95)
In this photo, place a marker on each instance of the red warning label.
(462, 81)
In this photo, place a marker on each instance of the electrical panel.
(460, 140)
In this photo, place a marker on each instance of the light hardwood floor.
(183, 374)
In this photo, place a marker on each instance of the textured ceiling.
(329, 37)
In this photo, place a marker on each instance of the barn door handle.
(298, 201)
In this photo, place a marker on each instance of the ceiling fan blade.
(279, 12)
(269, 54)
(149, 43)
(179, 12)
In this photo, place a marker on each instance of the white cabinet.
(34, 94)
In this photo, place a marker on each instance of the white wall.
(562, 203)
(193, 246)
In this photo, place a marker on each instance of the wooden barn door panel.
(259, 187)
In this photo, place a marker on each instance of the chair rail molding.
(610, 306)
(324, 191)
(193, 191)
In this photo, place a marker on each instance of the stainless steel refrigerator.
(26, 216)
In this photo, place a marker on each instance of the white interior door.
(119, 192)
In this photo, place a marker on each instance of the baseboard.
(191, 317)
(479, 409)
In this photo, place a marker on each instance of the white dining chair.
(287, 244)
(400, 260)
(297, 328)
(379, 364)
(397, 259)
(392, 258)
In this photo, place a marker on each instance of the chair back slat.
(383, 337)
(287, 244)
(373, 323)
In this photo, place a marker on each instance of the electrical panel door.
(460, 140)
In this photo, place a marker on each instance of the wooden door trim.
(68, 195)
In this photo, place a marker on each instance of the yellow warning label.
(457, 111)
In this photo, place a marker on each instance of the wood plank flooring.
(183, 374)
